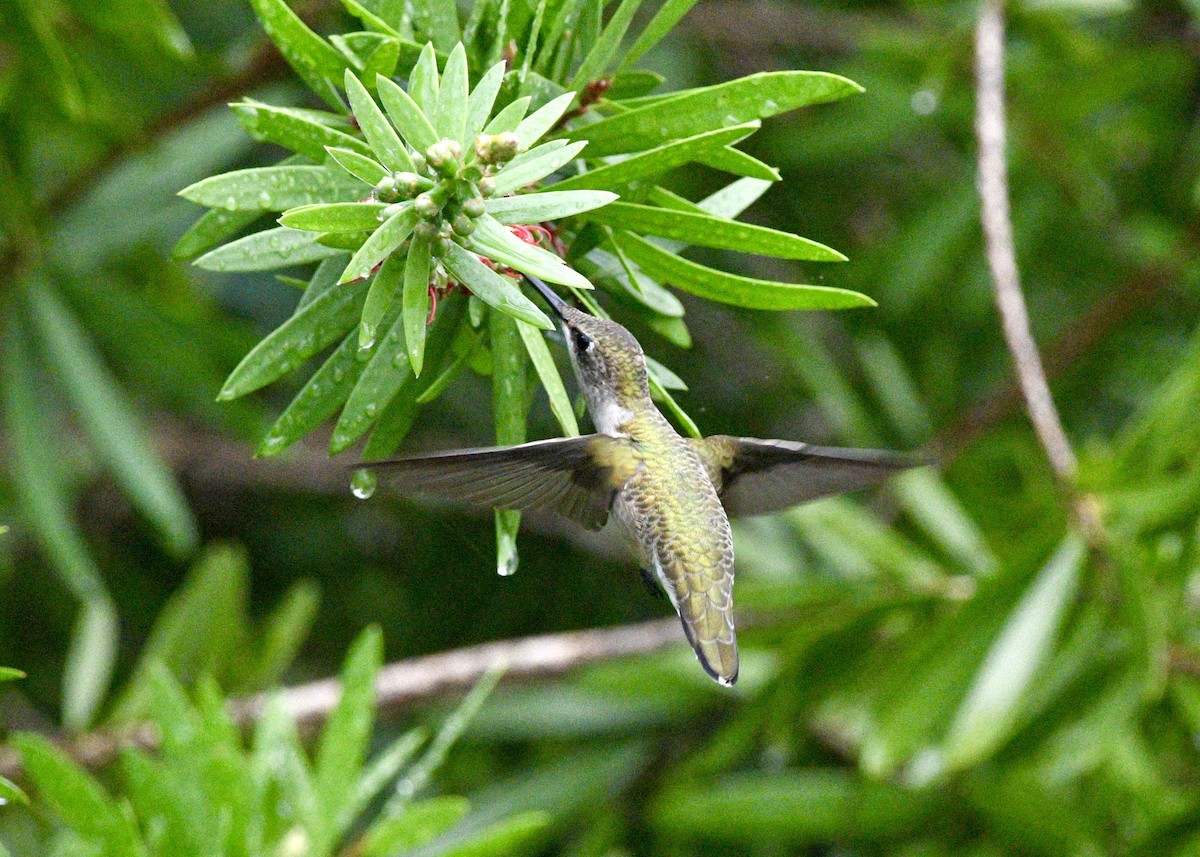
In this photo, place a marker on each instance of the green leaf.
(687, 114)
(383, 60)
(547, 205)
(499, 244)
(210, 230)
(90, 659)
(297, 339)
(452, 97)
(664, 20)
(370, 19)
(382, 243)
(10, 793)
(316, 61)
(736, 161)
(379, 299)
(266, 250)
(110, 423)
(537, 163)
(273, 188)
(734, 198)
(655, 161)
(334, 217)
(707, 231)
(360, 166)
(293, 129)
(633, 84)
(379, 774)
(509, 117)
(543, 363)
(423, 82)
(318, 399)
(408, 116)
(510, 405)
(344, 740)
(732, 288)
(491, 288)
(606, 47)
(283, 633)
(534, 126)
(508, 836)
(416, 302)
(418, 824)
(77, 798)
(793, 808)
(438, 19)
(10, 674)
(481, 100)
(375, 127)
(992, 705)
(387, 370)
(668, 379)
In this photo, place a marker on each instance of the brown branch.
(998, 238)
(405, 683)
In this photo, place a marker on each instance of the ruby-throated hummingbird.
(672, 495)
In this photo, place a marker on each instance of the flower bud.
(463, 225)
(497, 148)
(426, 206)
(425, 230)
(385, 191)
(474, 207)
(487, 186)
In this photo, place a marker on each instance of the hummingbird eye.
(583, 341)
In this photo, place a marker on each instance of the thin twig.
(405, 683)
(998, 238)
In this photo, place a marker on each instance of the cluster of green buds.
(450, 179)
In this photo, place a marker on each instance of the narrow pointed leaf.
(509, 117)
(664, 20)
(379, 383)
(293, 129)
(707, 231)
(347, 733)
(734, 198)
(379, 299)
(452, 97)
(416, 302)
(334, 217)
(381, 244)
(993, 702)
(757, 96)
(543, 363)
(499, 244)
(318, 399)
(735, 161)
(211, 230)
(510, 402)
(370, 19)
(480, 102)
(362, 167)
(266, 251)
(274, 188)
(383, 60)
(491, 288)
(317, 62)
(534, 165)
(606, 47)
(408, 116)
(300, 337)
(731, 288)
(548, 205)
(423, 82)
(416, 825)
(113, 428)
(536, 124)
(375, 127)
(656, 161)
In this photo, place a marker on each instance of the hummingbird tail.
(718, 656)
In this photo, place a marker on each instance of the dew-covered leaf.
(535, 125)
(509, 117)
(452, 97)
(266, 251)
(543, 363)
(275, 188)
(375, 126)
(317, 62)
(687, 114)
(664, 20)
(361, 167)
(379, 383)
(481, 100)
(383, 241)
(732, 288)
(294, 129)
(380, 298)
(416, 302)
(498, 243)
(607, 45)
(536, 164)
(548, 205)
(412, 121)
(423, 82)
(491, 288)
(334, 217)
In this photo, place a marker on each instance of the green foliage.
(204, 792)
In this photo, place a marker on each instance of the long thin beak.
(556, 303)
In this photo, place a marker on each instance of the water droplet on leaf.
(363, 484)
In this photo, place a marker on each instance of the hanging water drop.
(507, 562)
(363, 484)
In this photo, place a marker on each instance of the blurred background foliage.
(943, 668)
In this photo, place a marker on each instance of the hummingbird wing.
(755, 477)
(575, 477)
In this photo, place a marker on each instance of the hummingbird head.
(609, 362)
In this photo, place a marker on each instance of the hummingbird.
(672, 496)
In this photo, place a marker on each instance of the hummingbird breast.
(681, 533)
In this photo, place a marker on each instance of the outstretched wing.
(754, 477)
(575, 477)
